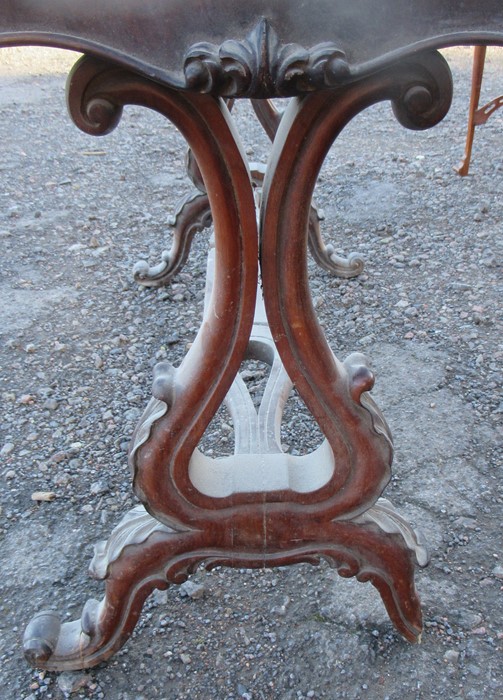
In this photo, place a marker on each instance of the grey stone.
(70, 683)
(451, 656)
(7, 449)
(192, 590)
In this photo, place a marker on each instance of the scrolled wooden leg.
(140, 555)
(324, 254)
(253, 522)
(336, 392)
(145, 552)
(192, 216)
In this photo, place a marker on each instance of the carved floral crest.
(260, 66)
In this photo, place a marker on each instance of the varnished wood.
(335, 392)
(257, 48)
(336, 57)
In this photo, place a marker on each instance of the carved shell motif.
(260, 66)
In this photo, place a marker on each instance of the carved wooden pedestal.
(258, 507)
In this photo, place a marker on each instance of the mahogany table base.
(258, 507)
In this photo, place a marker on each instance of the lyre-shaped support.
(258, 507)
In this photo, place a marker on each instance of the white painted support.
(258, 463)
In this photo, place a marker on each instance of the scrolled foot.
(141, 554)
(41, 637)
(49, 644)
(192, 216)
(325, 256)
(346, 268)
(382, 556)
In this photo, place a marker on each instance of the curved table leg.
(335, 392)
(135, 560)
(96, 94)
(324, 255)
(192, 215)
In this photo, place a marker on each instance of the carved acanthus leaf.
(155, 409)
(225, 70)
(134, 528)
(260, 66)
(388, 519)
(298, 70)
(361, 381)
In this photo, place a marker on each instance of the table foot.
(131, 562)
(324, 254)
(192, 216)
(142, 554)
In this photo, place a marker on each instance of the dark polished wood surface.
(254, 42)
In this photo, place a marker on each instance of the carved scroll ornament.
(260, 66)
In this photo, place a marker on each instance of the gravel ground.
(79, 339)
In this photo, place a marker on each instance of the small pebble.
(7, 449)
(451, 656)
(70, 683)
(98, 488)
(192, 590)
(58, 457)
(43, 496)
